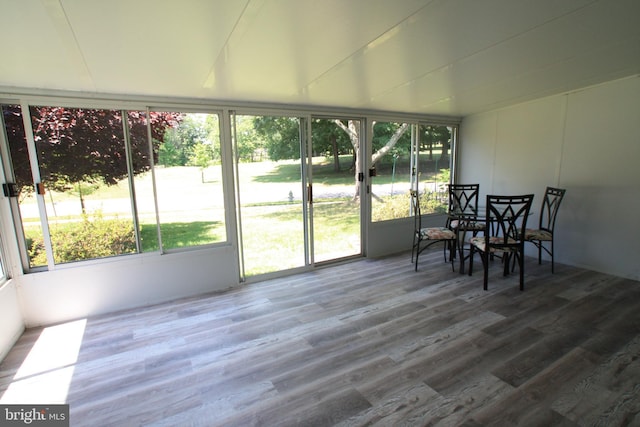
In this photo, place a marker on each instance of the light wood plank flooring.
(369, 342)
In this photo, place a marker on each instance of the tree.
(169, 155)
(332, 142)
(332, 137)
(430, 135)
(281, 136)
(249, 141)
(181, 143)
(77, 145)
(202, 157)
(352, 129)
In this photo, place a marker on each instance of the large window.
(405, 157)
(94, 183)
(114, 182)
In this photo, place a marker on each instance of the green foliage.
(384, 131)
(201, 155)
(181, 234)
(196, 138)
(398, 206)
(81, 145)
(86, 239)
(250, 144)
(281, 136)
(169, 155)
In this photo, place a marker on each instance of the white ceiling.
(451, 57)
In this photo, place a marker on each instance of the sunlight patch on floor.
(47, 371)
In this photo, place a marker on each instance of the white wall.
(586, 141)
(124, 282)
(11, 324)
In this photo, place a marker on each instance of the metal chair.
(463, 198)
(426, 237)
(544, 233)
(463, 211)
(506, 220)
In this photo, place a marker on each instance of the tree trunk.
(336, 156)
(81, 198)
(444, 155)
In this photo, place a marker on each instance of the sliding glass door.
(298, 191)
(336, 177)
(271, 194)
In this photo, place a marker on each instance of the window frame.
(415, 125)
(124, 111)
(224, 110)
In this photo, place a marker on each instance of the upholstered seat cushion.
(479, 242)
(469, 225)
(530, 234)
(437, 233)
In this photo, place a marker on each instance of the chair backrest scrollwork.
(508, 217)
(463, 197)
(549, 211)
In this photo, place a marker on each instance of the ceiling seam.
(60, 20)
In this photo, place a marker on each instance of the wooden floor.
(364, 343)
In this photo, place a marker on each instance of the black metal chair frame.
(463, 197)
(463, 207)
(506, 220)
(548, 212)
(419, 233)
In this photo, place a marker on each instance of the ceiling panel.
(130, 46)
(37, 53)
(453, 57)
(300, 40)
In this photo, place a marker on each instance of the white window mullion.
(153, 180)
(130, 174)
(236, 178)
(35, 173)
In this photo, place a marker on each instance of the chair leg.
(444, 250)
(485, 264)
(552, 260)
(539, 245)
(506, 260)
(471, 252)
(413, 249)
(521, 264)
(452, 244)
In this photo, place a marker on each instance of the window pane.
(336, 190)
(394, 159)
(188, 174)
(434, 167)
(141, 160)
(29, 215)
(83, 165)
(270, 189)
(391, 158)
